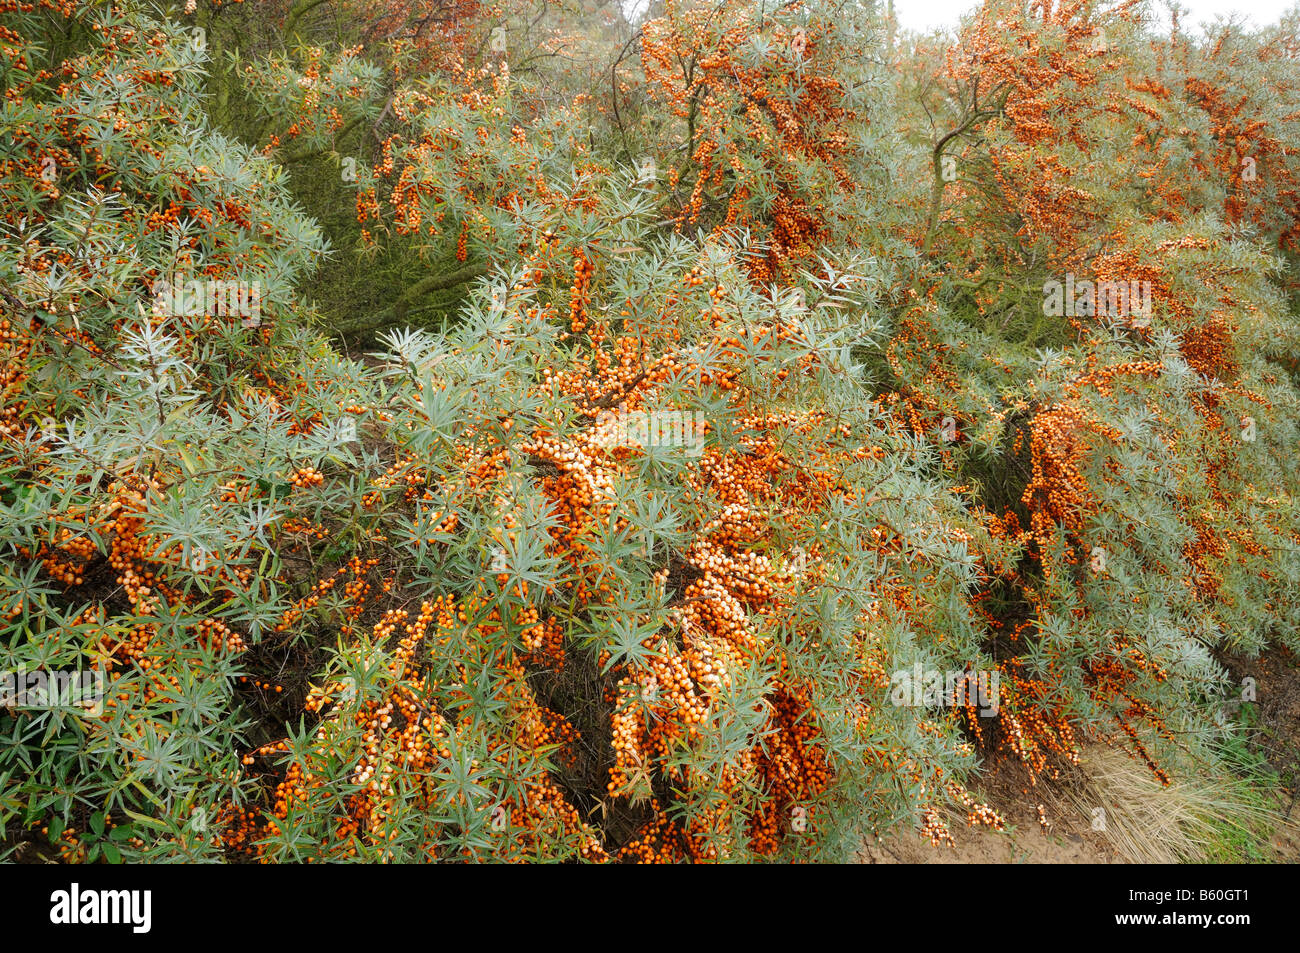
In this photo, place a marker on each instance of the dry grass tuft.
(1195, 819)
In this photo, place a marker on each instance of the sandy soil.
(1066, 838)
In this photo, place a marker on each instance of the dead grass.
(1192, 820)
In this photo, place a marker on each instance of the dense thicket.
(515, 432)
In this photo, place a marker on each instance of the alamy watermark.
(40, 690)
(177, 296)
(1126, 300)
(77, 906)
(646, 429)
(930, 688)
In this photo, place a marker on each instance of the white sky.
(926, 15)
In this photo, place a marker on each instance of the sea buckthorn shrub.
(779, 124)
(425, 609)
(1149, 522)
(1236, 88)
(621, 650)
(143, 465)
(614, 551)
(356, 102)
(325, 95)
